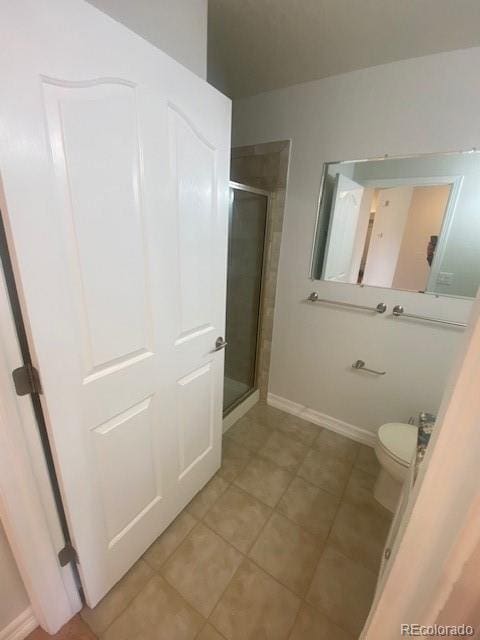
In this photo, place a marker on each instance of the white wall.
(178, 27)
(427, 104)
(13, 597)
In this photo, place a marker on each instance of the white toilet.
(395, 449)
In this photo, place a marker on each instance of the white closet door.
(114, 162)
(342, 230)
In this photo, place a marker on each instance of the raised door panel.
(101, 176)
(127, 470)
(193, 161)
(195, 417)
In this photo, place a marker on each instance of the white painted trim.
(19, 628)
(413, 181)
(245, 187)
(240, 410)
(322, 420)
(444, 233)
(26, 501)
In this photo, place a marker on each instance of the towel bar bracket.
(360, 365)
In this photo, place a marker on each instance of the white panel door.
(387, 234)
(342, 230)
(114, 162)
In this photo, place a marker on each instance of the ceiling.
(258, 45)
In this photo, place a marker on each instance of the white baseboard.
(240, 411)
(19, 628)
(344, 428)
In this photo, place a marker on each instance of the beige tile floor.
(284, 543)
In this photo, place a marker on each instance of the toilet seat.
(399, 441)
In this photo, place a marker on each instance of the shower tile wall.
(266, 166)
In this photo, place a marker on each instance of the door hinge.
(26, 380)
(67, 555)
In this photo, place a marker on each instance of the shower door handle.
(220, 344)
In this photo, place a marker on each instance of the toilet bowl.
(395, 449)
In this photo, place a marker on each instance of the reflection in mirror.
(408, 223)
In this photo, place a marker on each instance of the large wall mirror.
(408, 223)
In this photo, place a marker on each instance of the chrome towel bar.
(399, 312)
(360, 364)
(380, 308)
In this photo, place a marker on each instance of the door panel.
(195, 410)
(130, 484)
(114, 162)
(98, 174)
(194, 167)
(342, 229)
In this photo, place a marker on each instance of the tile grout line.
(130, 600)
(209, 623)
(174, 588)
(321, 610)
(294, 476)
(301, 598)
(231, 483)
(346, 501)
(158, 572)
(324, 544)
(102, 634)
(202, 521)
(246, 554)
(274, 509)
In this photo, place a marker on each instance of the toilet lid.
(399, 440)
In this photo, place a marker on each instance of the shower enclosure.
(246, 250)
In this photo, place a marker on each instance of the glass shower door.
(247, 226)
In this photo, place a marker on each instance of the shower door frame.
(240, 186)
